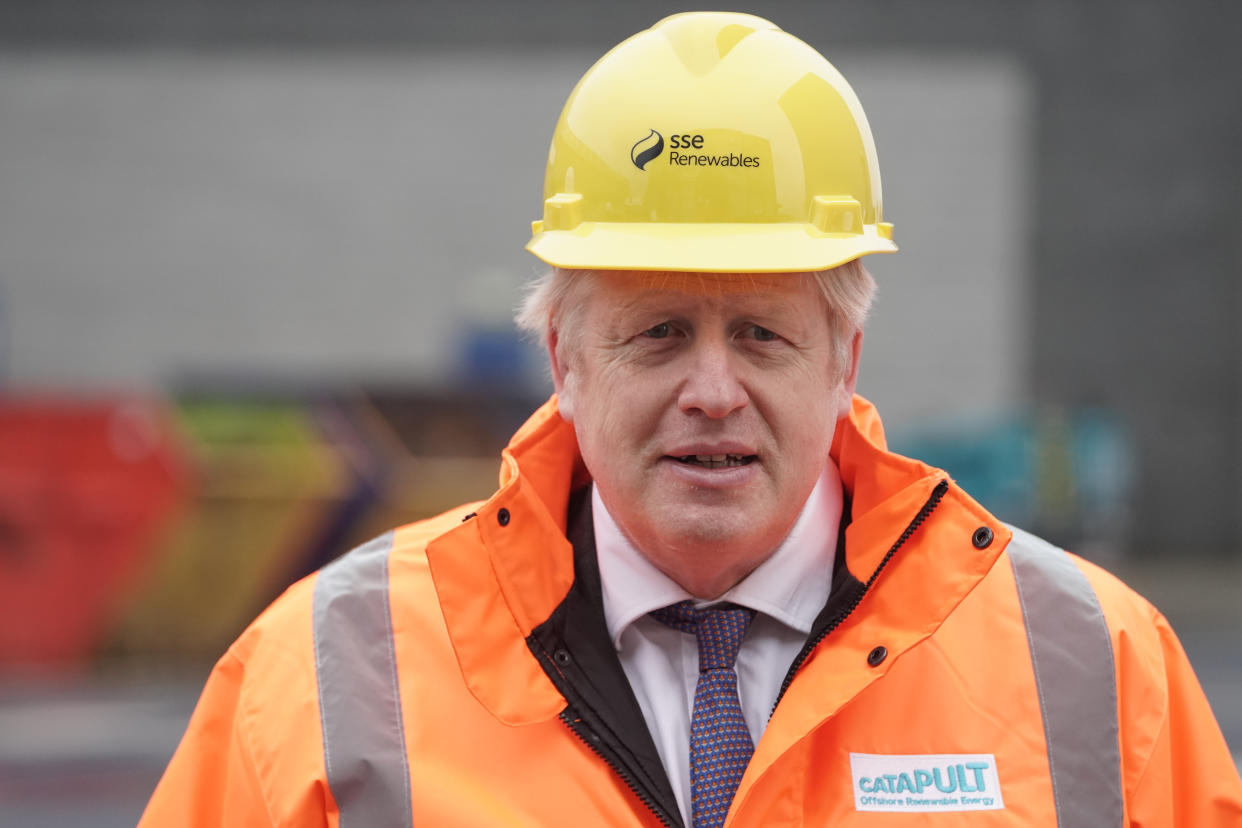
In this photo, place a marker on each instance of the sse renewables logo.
(686, 149)
(646, 149)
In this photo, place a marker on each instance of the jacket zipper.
(932, 502)
(593, 741)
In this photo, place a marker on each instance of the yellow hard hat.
(711, 142)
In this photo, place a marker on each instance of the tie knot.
(720, 630)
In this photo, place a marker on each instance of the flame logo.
(641, 156)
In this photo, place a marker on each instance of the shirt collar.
(791, 586)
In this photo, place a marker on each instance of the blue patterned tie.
(720, 743)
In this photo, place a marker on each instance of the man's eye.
(762, 334)
(659, 331)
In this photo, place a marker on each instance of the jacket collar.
(502, 573)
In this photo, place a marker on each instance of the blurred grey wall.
(190, 186)
(344, 217)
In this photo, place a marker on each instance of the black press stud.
(982, 538)
(502, 517)
(561, 657)
(876, 656)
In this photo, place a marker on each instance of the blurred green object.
(266, 480)
(284, 483)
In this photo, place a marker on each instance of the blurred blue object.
(495, 356)
(1064, 474)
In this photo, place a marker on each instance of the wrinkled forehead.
(710, 284)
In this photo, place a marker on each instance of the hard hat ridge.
(712, 142)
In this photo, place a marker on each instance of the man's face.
(704, 407)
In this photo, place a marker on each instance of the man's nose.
(712, 384)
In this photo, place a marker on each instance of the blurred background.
(258, 262)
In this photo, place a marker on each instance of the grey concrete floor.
(89, 752)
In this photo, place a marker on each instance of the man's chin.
(708, 568)
(691, 542)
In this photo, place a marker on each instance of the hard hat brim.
(706, 248)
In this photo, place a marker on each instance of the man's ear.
(561, 379)
(850, 380)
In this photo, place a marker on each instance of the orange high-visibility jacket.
(457, 672)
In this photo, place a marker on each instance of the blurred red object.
(86, 486)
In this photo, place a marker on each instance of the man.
(705, 593)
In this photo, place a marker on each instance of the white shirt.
(662, 664)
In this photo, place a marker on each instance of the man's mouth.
(716, 461)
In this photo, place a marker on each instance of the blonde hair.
(552, 302)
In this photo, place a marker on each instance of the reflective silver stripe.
(359, 703)
(1073, 659)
